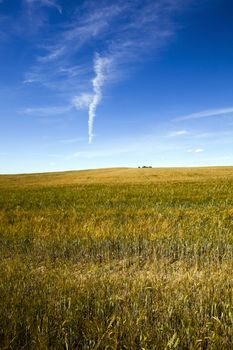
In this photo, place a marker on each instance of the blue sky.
(89, 84)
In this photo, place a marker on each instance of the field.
(117, 259)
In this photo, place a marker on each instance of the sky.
(93, 84)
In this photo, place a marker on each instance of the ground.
(117, 259)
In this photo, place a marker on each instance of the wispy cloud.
(46, 111)
(48, 3)
(215, 135)
(82, 101)
(197, 150)
(91, 101)
(59, 76)
(206, 114)
(124, 32)
(101, 66)
(178, 133)
(53, 55)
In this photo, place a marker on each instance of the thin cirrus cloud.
(125, 31)
(206, 114)
(215, 135)
(46, 3)
(178, 133)
(197, 150)
(46, 111)
(54, 54)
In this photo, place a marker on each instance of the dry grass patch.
(117, 259)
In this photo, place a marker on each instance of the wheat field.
(117, 259)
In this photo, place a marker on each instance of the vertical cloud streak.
(101, 66)
(123, 33)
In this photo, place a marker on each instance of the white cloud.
(92, 22)
(178, 133)
(48, 3)
(46, 111)
(126, 31)
(215, 135)
(82, 101)
(60, 76)
(101, 66)
(52, 3)
(53, 55)
(197, 150)
(206, 113)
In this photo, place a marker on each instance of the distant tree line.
(144, 166)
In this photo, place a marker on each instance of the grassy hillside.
(117, 259)
(117, 175)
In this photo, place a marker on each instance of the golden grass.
(117, 175)
(117, 259)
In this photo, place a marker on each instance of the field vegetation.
(117, 259)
